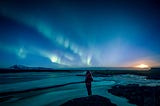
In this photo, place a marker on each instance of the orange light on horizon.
(142, 66)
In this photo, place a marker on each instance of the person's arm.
(91, 77)
(86, 79)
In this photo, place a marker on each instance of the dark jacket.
(89, 78)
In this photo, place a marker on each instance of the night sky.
(79, 33)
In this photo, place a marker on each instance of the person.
(88, 81)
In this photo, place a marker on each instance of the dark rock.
(140, 95)
(5, 98)
(155, 77)
(93, 100)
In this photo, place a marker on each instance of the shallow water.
(8, 78)
(58, 95)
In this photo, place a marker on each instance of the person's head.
(88, 72)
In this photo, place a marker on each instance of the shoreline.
(37, 89)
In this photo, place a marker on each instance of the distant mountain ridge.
(22, 67)
(152, 73)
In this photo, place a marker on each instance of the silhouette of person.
(88, 81)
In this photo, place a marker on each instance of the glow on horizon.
(142, 66)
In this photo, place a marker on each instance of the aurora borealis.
(79, 33)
